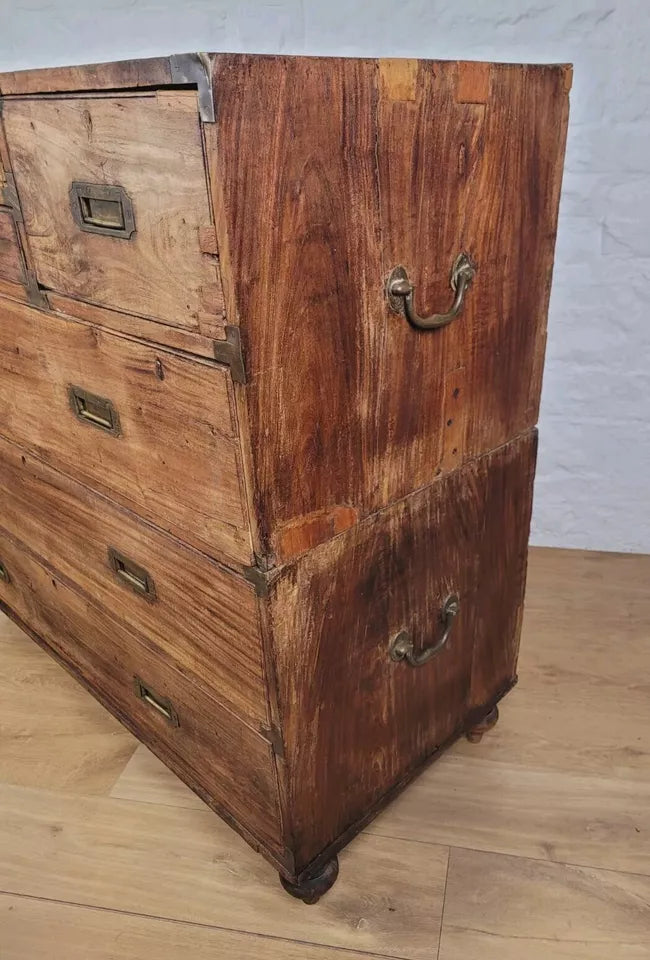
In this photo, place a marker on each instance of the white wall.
(594, 464)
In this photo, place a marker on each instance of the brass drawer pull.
(402, 646)
(4, 573)
(98, 208)
(97, 411)
(401, 294)
(132, 574)
(163, 705)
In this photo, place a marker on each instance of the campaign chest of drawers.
(270, 513)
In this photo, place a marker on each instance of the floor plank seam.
(444, 899)
(515, 856)
(203, 926)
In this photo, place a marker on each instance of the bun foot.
(475, 733)
(312, 889)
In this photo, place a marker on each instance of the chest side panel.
(357, 721)
(367, 165)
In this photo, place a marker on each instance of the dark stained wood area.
(391, 162)
(355, 721)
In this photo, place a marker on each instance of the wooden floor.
(533, 845)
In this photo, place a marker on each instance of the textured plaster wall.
(594, 463)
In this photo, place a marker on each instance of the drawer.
(11, 261)
(228, 764)
(114, 196)
(188, 607)
(349, 607)
(127, 418)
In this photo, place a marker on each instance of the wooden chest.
(271, 344)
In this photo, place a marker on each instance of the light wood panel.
(149, 145)
(505, 908)
(203, 616)
(187, 865)
(152, 391)
(41, 930)
(11, 263)
(51, 732)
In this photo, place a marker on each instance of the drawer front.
(151, 428)
(185, 605)
(372, 716)
(114, 197)
(11, 261)
(232, 767)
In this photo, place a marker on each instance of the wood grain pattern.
(156, 394)
(151, 72)
(355, 722)
(49, 734)
(204, 618)
(500, 908)
(49, 931)
(513, 808)
(13, 290)
(149, 145)
(131, 325)
(11, 262)
(230, 765)
(186, 865)
(398, 170)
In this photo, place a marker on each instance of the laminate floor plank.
(539, 814)
(187, 865)
(582, 704)
(45, 930)
(509, 908)
(53, 733)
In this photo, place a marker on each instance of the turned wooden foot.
(475, 733)
(312, 889)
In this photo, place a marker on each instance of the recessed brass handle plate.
(131, 574)
(163, 705)
(101, 208)
(401, 294)
(97, 411)
(403, 648)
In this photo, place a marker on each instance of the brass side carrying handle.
(401, 294)
(402, 647)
